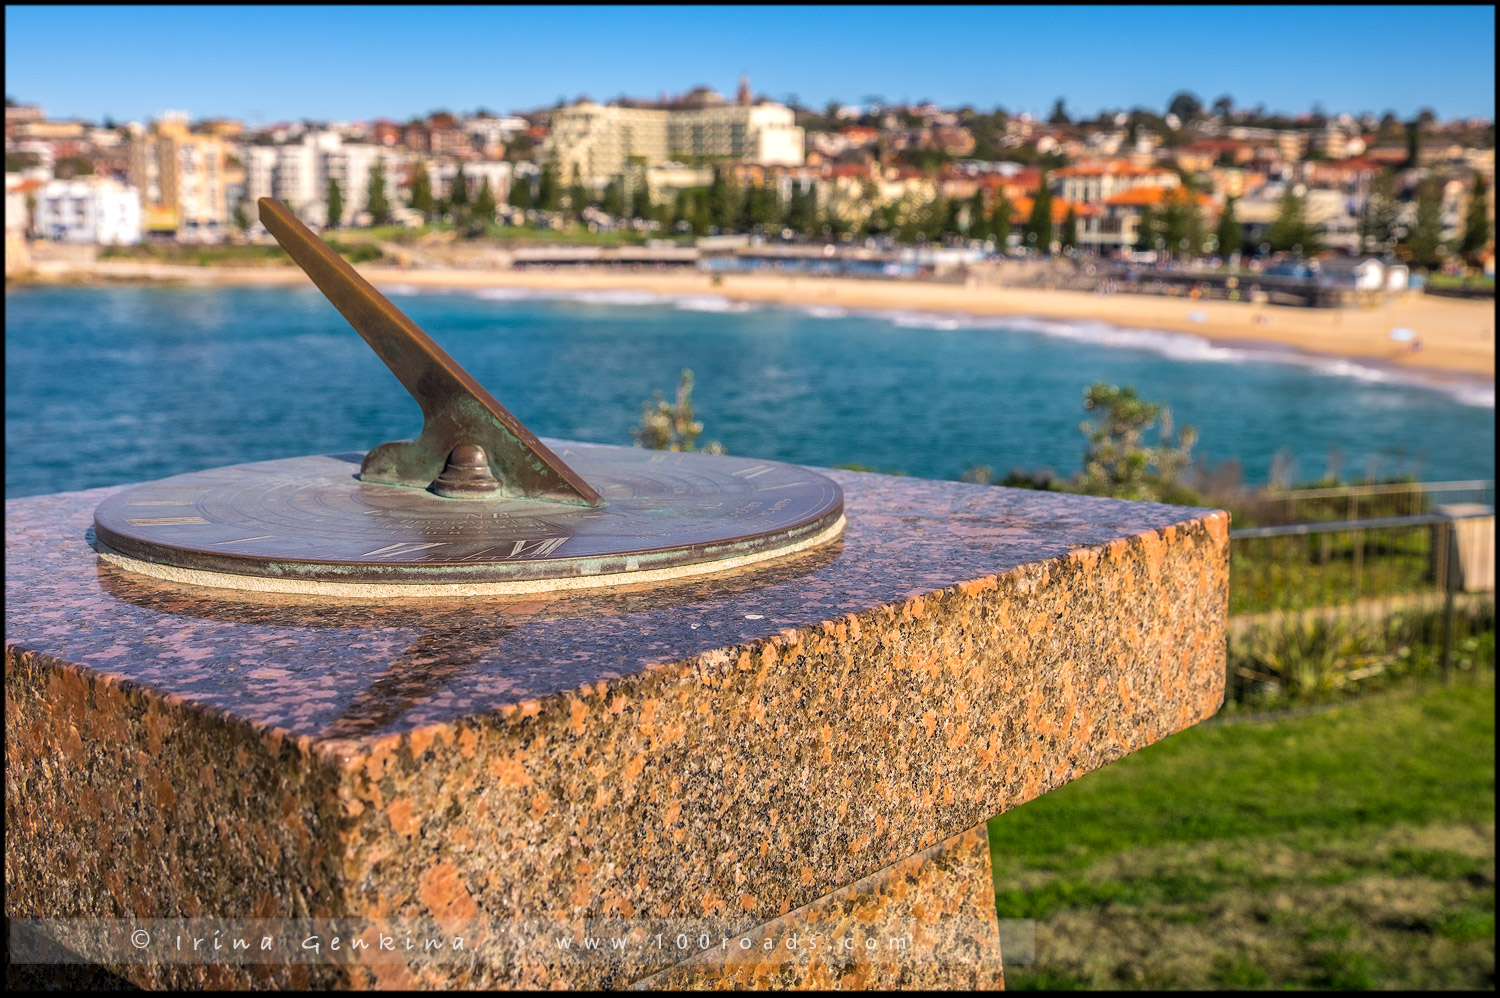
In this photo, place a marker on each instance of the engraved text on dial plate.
(312, 519)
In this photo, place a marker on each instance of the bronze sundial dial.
(475, 504)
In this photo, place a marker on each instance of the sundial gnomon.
(476, 503)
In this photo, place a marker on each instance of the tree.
(1182, 222)
(1185, 105)
(1476, 222)
(376, 202)
(1290, 230)
(520, 191)
(759, 209)
(1000, 220)
(1118, 462)
(484, 203)
(640, 201)
(1223, 106)
(335, 204)
(977, 227)
(723, 200)
(1227, 232)
(613, 203)
(699, 215)
(548, 191)
(1424, 241)
(800, 210)
(1413, 143)
(1040, 222)
(241, 220)
(578, 195)
(1381, 214)
(1146, 230)
(1070, 229)
(458, 193)
(671, 426)
(1059, 114)
(421, 191)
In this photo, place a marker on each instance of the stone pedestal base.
(754, 753)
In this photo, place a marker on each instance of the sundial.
(476, 504)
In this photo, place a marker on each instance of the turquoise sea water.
(111, 385)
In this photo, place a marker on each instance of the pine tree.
(701, 218)
(458, 194)
(421, 191)
(1145, 230)
(613, 203)
(723, 200)
(1000, 221)
(812, 225)
(1040, 222)
(745, 219)
(796, 208)
(548, 192)
(578, 195)
(1290, 230)
(241, 220)
(484, 203)
(1227, 232)
(1425, 239)
(376, 202)
(1413, 143)
(640, 201)
(977, 227)
(1070, 229)
(335, 204)
(1381, 215)
(1182, 222)
(520, 191)
(1476, 221)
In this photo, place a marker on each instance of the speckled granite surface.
(732, 747)
(926, 923)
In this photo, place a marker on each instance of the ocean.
(126, 383)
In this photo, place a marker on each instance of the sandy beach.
(1457, 337)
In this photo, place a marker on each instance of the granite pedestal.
(808, 749)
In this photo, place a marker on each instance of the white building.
(497, 172)
(492, 133)
(89, 210)
(298, 174)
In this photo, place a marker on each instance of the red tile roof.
(1152, 196)
(1021, 209)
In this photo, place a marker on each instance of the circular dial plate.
(312, 519)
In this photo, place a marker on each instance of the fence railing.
(1359, 502)
(1368, 587)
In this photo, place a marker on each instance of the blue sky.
(265, 64)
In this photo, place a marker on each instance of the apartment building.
(601, 140)
(298, 174)
(182, 177)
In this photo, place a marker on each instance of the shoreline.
(1457, 336)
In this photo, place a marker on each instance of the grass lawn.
(1353, 848)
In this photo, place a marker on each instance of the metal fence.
(1333, 602)
(1361, 502)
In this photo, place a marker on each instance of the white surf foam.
(1176, 346)
(711, 303)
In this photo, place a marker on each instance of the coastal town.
(750, 182)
